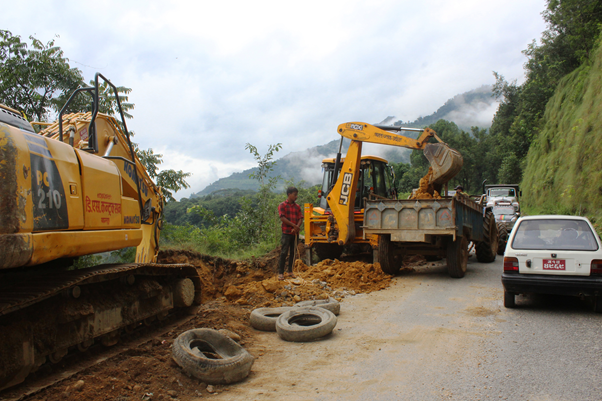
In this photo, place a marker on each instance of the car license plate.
(554, 264)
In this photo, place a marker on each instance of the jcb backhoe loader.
(339, 222)
(77, 188)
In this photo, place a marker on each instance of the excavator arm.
(445, 162)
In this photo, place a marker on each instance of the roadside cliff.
(564, 163)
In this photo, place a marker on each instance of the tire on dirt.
(264, 319)
(305, 324)
(457, 257)
(487, 249)
(390, 263)
(502, 238)
(330, 304)
(328, 251)
(229, 362)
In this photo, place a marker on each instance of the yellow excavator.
(77, 188)
(339, 221)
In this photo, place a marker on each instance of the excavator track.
(45, 314)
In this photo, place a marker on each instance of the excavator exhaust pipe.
(445, 161)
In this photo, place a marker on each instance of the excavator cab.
(375, 180)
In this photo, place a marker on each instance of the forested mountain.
(549, 127)
(473, 108)
(564, 165)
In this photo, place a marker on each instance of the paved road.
(430, 337)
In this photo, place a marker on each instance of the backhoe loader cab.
(375, 180)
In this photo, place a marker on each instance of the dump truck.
(440, 228)
(429, 226)
(77, 188)
(504, 200)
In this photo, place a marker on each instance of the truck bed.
(412, 220)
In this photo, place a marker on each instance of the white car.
(553, 255)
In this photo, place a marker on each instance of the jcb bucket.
(445, 161)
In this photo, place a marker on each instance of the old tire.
(330, 304)
(487, 249)
(229, 362)
(264, 319)
(390, 263)
(502, 238)
(509, 299)
(305, 324)
(328, 251)
(457, 257)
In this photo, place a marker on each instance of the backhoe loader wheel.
(457, 257)
(389, 259)
(487, 249)
(502, 233)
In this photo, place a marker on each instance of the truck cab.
(503, 195)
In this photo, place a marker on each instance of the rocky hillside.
(564, 163)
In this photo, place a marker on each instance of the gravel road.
(431, 337)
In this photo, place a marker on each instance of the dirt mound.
(231, 290)
(255, 282)
(425, 188)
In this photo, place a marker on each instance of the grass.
(564, 164)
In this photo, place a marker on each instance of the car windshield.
(555, 234)
(503, 210)
(501, 192)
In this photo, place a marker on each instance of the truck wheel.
(328, 251)
(487, 249)
(502, 233)
(390, 263)
(457, 257)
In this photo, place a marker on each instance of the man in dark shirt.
(291, 217)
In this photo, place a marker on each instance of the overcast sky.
(210, 76)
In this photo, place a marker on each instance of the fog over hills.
(473, 108)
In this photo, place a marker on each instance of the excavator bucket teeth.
(445, 161)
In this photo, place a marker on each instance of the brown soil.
(231, 290)
(425, 188)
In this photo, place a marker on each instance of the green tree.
(573, 27)
(259, 218)
(34, 79)
(168, 180)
